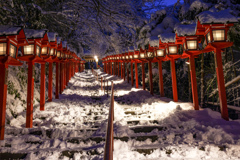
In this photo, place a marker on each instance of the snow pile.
(32, 33)
(185, 30)
(167, 37)
(9, 30)
(223, 16)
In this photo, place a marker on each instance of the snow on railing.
(109, 146)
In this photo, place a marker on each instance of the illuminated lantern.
(131, 56)
(53, 48)
(186, 35)
(172, 53)
(214, 27)
(57, 61)
(31, 54)
(11, 38)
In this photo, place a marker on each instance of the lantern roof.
(52, 36)
(223, 16)
(136, 47)
(167, 37)
(186, 30)
(131, 49)
(9, 30)
(64, 44)
(59, 39)
(34, 34)
(154, 41)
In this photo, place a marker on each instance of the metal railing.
(109, 146)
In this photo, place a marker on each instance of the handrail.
(109, 147)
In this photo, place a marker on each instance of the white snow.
(185, 30)
(9, 30)
(52, 36)
(154, 41)
(70, 124)
(32, 33)
(223, 16)
(167, 37)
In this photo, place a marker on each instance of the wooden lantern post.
(143, 61)
(172, 55)
(45, 55)
(53, 55)
(185, 35)
(127, 60)
(130, 54)
(136, 54)
(31, 55)
(215, 30)
(57, 60)
(11, 39)
(160, 56)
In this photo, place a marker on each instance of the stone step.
(12, 156)
(147, 129)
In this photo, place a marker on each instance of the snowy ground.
(146, 127)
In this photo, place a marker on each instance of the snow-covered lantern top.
(131, 52)
(125, 53)
(11, 37)
(154, 43)
(186, 36)
(60, 54)
(65, 50)
(172, 49)
(136, 52)
(141, 53)
(32, 51)
(52, 37)
(214, 26)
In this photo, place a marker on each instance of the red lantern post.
(11, 39)
(31, 54)
(53, 55)
(172, 55)
(185, 35)
(215, 30)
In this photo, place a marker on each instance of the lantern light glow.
(13, 50)
(28, 50)
(44, 50)
(192, 44)
(218, 35)
(3, 48)
(172, 49)
(160, 53)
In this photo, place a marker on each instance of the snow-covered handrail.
(108, 151)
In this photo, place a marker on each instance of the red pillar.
(150, 77)
(50, 82)
(118, 69)
(127, 74)
(114, 68)
(174, 81)
(194, 83)
(221, 84)
(57, 81)
(121, 70)
(61, 78)
(143, 76)
(136, 74)
(124, 77)
(30, 92)
(42, 88)
(161, 89)
(3, 98)
(132, 73)
(111, 68)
